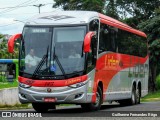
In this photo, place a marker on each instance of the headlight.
(77, 85)
(24, 85)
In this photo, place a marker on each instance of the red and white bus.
(80, 57)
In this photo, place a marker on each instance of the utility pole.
(39, 6)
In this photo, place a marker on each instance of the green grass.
(152, 97)
(17, 106)
(158, 82)
(8, 84)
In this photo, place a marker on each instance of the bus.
(80, 57)
(8, 70)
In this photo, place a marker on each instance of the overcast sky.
(8, 25)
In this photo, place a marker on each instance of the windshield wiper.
(60, 65)
(45, 58)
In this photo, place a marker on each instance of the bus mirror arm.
(11, 41)
(87, 41)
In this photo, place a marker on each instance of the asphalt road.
(145, 109)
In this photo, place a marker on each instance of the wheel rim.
(133, 97)
(97, 98)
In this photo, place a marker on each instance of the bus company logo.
(72, 81)
(49, 84)
(111, 62)
(49, 90)
(29, 82)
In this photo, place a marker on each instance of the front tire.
(94, 106)
(43, 107)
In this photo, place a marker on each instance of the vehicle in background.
(8, 70)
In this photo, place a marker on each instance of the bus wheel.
(94, 106)
(133, 96)
(138, 95)
(43, 107)
(130, 101)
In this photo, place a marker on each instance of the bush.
(158, 82)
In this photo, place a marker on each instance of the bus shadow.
(78, 109)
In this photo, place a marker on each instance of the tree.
(90, 5)
(152, 28)
(142, 8)
(138, 10)
(4, 54)
(111, 10)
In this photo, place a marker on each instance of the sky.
(10, 17)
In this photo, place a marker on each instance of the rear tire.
(43, 107)
(138, 95)
(94, 106)
(131, 101)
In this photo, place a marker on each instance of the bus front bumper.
(61, 94)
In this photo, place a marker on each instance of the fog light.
(77, 85)
(78, 95)
(23, 95)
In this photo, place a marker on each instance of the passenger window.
(92, 55)
(132, 44)
(108, 38)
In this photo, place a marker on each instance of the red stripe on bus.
(52, 83)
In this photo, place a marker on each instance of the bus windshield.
(48, 52)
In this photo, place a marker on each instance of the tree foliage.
(138, 11)
(90, 5)
(142, 9)
(152, 28)
(111, 10)
(4, 54)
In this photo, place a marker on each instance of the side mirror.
(11, 41)
(87, 41)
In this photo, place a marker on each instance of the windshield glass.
(68, 42)
(51, 52)
(34, 47)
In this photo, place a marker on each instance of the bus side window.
(94, 50)
(11, 68)
(108, 38)
(102, 38)
(92, 55)
(94, 25)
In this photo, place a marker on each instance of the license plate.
(50, 99)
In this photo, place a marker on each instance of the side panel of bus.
(122, 61)
(118, 73)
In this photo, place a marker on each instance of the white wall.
(9, 96)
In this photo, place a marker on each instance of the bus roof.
(63, 18)
(79, 17)
(113, 22)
